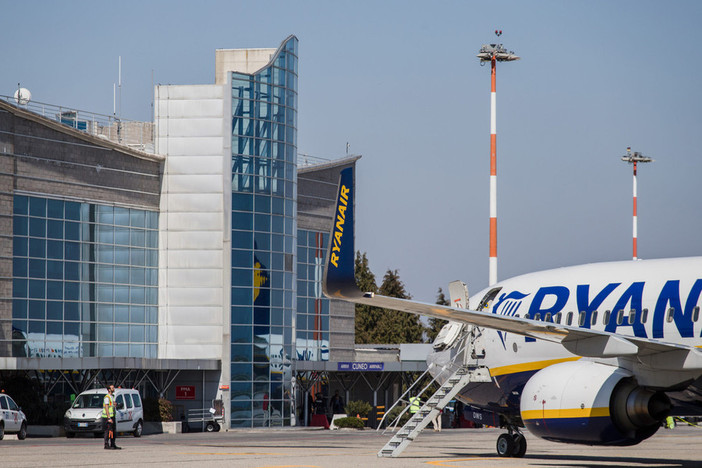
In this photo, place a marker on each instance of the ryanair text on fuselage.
(669, 306)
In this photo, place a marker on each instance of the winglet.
(339, 278)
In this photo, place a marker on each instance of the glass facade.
(264, 153)
(85, 279)
(312, 315)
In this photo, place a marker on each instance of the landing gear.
(520, 445)
(511, 444)
(505, 445)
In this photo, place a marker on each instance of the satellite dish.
(23, 96)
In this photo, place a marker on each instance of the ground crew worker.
(108, 418)
(415, 404)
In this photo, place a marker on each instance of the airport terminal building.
(183, 257)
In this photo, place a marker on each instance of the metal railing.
(132, 133)
(392, 425)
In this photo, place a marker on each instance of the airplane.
(595, 354)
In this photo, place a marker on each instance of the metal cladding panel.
(193, 297)
(206, 221)
(195, 183)
(180, 350)
(196, 127)
(195, 259)
(189, 92)
(208, 162)
(195, 202)
(206, 315)
(207, 240)
(186, 278)
(201, 335)
(176, 108)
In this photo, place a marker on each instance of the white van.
(85, 414)
(12, 419)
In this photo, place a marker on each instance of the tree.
(381, 326)
(435, 324)
(366, 316)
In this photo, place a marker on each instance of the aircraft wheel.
(520, 446)
(505, 445)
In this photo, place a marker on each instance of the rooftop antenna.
(635, 158)
(494, 53)
(347, 147)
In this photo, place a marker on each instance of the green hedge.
(358, 407)
(353, 423)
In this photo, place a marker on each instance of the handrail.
(135, 134)
(396, 421)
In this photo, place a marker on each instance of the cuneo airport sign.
(360, 366)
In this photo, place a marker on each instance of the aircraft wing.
(340, 283)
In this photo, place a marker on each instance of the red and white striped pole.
(494, 53)
(493, 176)
(634, 159)
(635, 216)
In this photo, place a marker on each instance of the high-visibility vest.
(415, 404)
(110, 405)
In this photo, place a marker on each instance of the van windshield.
(89, 401)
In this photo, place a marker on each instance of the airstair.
(406, 435)
(460, 368)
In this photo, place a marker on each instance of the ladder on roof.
(406, 435)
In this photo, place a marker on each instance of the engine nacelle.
(584, 402)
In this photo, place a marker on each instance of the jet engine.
(588, 403)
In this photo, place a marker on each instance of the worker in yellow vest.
(415, 404)
(108, 418)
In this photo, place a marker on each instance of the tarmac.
(302, 447)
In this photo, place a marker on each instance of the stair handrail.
(401, 399)
(393, 425)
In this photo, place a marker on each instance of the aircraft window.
(632, 316)
(547, 318)
(569, 318)
(581, 318)
(593, 319)
(696, 314)
(605, 317)
(557, 318)
(671, 313)
(527, 316)
(620, 317)
(644, 316)
(537, 316)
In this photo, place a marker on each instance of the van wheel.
(210, 427)
(22, 434)
(138, 429)
(70, 435)
(217, 427)
(2, 430)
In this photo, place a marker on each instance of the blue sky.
(400, 82)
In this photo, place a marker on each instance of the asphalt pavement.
(300, 447)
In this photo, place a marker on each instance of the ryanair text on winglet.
(339, 227)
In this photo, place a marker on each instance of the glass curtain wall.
(312, 314)
(264, 158)
(85, 280)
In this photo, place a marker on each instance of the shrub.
(360, 407)
(353, 423)
(160, 410)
